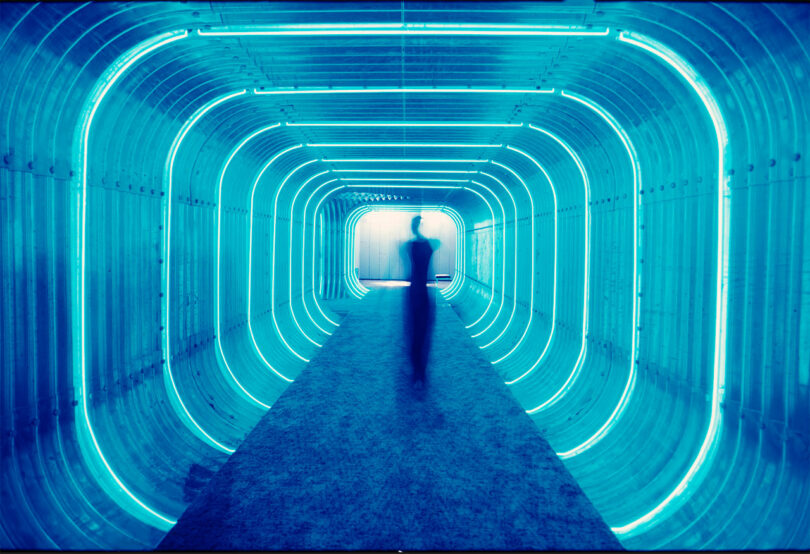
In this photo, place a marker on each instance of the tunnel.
(189, 191)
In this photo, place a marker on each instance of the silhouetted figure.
(419, 309)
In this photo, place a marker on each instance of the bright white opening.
(381, 235)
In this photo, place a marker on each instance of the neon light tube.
(290, 251)
(404, 29)
(314, 217)
(515, 249)
(400, 124)
(410, 160)
(177, 401)
(707, 448)
(217, 307)
(503, 249)
(388, 180)
(587, 266)
(629, 386)
(398, 145)
(470, 172)
(585, 302)
(84, 426)
(273, 255)
(250, 264)
(492, 214)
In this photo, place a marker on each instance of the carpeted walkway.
(351, 457)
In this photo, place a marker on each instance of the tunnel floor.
(353, 457)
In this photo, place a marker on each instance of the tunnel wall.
(174, 380)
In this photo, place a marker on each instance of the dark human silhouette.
(420, 307)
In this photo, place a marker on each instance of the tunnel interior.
(186, 194)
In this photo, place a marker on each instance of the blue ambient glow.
(181, 194)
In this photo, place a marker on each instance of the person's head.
(415, 222)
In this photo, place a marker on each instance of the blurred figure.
(419, 310)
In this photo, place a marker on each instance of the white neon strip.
(400, 124)
(315, 214)
(450, 212)
(707, 448)
(399, 90)
(167, 254)
(250, 267)
(439, 171)
(358, 285)
(586, 277)
(410, 160)
(371, 179)
(631, 379)
(554, 292)
(217, 305)
(531, 307)
(531, 219)
(503, 250)
(398, 145)
(303, 256)
(456, 286)
(350, 277)
(402, 171)
(475, 182)
(314, 218)
(354, 287)
(273, 247)
(321, 279)
(580, 360)
(273, 257)
(458, 282)
(100, 90)
(514, 269)
(352, 222)
(218, 316)
(403, 29)
(375, 185)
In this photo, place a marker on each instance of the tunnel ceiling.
(181, 182)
